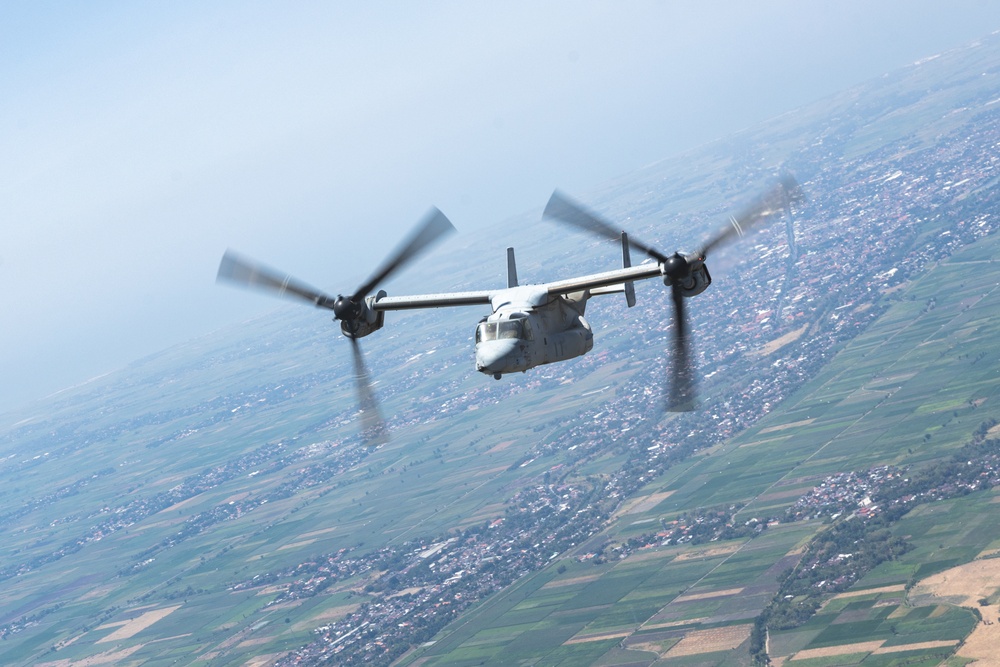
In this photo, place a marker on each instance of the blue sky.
(140, 140)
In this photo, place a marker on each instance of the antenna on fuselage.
(511, 269)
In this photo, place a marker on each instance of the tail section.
(626, 263)
(511, 269)
(629, 287)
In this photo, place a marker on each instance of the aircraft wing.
(608, 278)
(526, 293)
(443, 300)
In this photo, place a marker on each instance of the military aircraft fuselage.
(530, 327)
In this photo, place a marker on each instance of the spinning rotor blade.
(349, 310)
(561, 207)
(771, 201)
(429, 230)
(681, 391)
(373, 426)
(248, 273)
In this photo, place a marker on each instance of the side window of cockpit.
(486, 331)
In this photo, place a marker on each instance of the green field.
(172, 513)
(910, 374)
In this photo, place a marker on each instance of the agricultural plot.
(908, 377)
(395, 494)
(211, 505)
(867, 629)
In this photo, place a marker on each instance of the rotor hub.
(346, 309)
(676, 267)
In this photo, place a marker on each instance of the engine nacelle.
(691, 272)
(697, 282)
(369, 320)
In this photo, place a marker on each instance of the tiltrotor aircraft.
(528, 325)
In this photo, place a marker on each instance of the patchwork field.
(915, 373)
(214, 505)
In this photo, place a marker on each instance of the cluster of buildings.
(860, 235)
(844, 493)
(415, 589)
(775, 315)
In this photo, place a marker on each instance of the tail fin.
(626, 263)
(511, 269)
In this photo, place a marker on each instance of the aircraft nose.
(493, 356)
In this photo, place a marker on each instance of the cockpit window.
(500, 330)
(510, 330)
(486, 331)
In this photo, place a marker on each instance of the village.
(877, 231)
(856, 240)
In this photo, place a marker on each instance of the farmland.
(873, 405)
(213, 504)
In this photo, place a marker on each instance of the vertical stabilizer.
(626, 263)
(511, 269)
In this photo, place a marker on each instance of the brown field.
(710, 553)
(779, 343)
(872, 647)
(650, 554)
(900, 612)
(106, 658)
(782, 427)
(331, 614)
(754, 443)
(256, 641)
(643, 504)
(581, 639)
(843, 649)
(583, 579)
(316, 533)
(971, 582)
(273, 588)
(138, 624)
(499, 447)
(296, 545)
(673, 624)
(709, 595)
(915, 647)
(709, 641)
(869, 591)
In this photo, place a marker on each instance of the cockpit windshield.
(503, 329)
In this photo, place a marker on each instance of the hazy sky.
(139, 140)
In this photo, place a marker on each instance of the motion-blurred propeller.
(679, 269)
(561, 207)
(772, 201)
(349, 310)
(247, 273)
